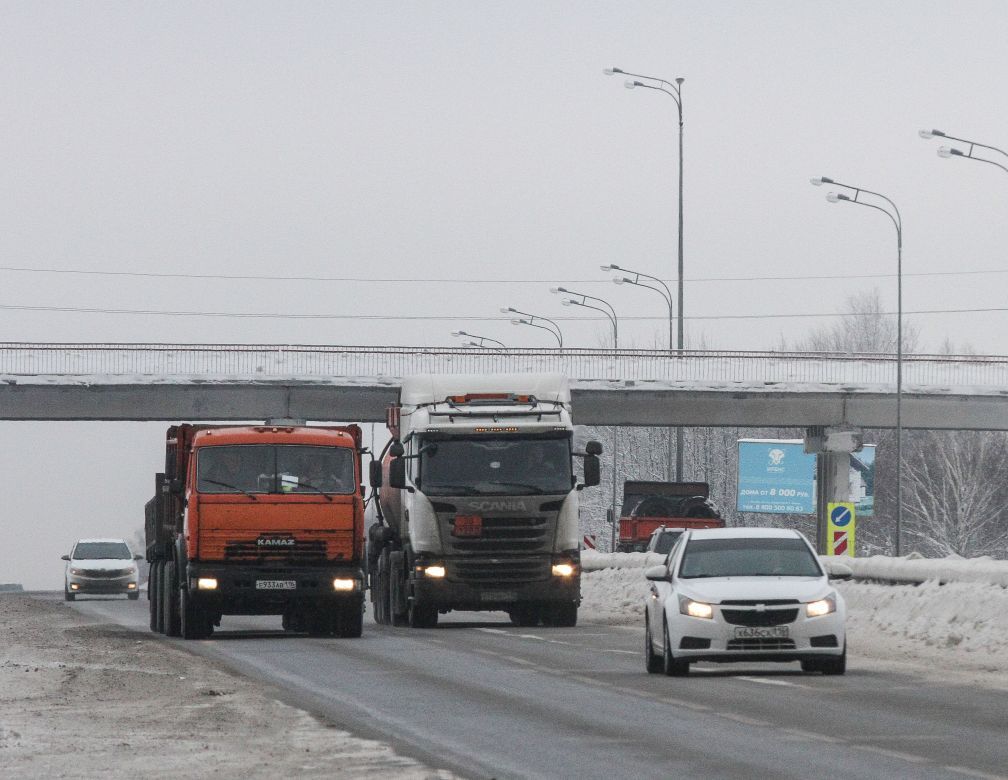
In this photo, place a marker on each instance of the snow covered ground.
(954, 630)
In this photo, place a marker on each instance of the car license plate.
(498, 595)
(761, 632)
(276, 584)
(468, 525)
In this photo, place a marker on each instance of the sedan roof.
(744, 533)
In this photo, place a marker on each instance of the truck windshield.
(96, 551)
(258, 468)
(477, 466)
(748, 558)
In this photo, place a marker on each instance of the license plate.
(498, 595)
(468, 525)
(761, 632)
(276, 584)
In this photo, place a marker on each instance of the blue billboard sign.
(776, 476)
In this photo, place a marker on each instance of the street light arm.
(651, 78)
(531, 324)
(667, 294)
(969, 156)
(555, 330)
(612, 318)
(674, 95)
(896, 223)
(858, 190)
(604, 302)
(975, 143)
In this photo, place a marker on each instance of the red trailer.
(649, 505)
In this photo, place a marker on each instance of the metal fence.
(250, 362)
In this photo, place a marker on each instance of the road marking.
(963, 770)
(813, 735)
(743, 719)
(763, 681)
(517, 660)
(893, 754)
(538, 638)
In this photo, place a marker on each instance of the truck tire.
(193, 620)
(350, 621)
(525, 615)
(170, 600)
(321, 622)
(563, 615)
(380, 592)
(421, 615)
(398, 599)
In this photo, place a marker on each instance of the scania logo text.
(499, 506)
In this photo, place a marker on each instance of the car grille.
(751, 617)
(504, 535)
(105, 573)
(756, 602)
(503, 571)
(761, 644)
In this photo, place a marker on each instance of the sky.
(407, 169)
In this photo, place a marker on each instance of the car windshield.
(753, 557)
(94, 551)
(257, 468)
(665, 541)
(496, 466)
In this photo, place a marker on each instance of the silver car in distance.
(743, 594)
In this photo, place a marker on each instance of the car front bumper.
(81, 583)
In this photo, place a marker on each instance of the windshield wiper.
(450, 490)
(535, 489)
(318, 490)
(229, 485)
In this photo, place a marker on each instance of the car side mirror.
(64, 557)
(656, 574)
(592, 471)
(375, 473)
(138, 557)
(839, 571)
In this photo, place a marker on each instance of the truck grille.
(504, 534)
(750, 617)
(305, 547)
(300, 551)
(503, 571)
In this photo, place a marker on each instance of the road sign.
(775, 476)
(589, 541)
(840, 531)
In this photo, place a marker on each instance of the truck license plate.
(276, 584)
(468, 525)
(761, 632)
(498, 595)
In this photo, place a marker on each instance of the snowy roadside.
(85, 700)
(956, 630)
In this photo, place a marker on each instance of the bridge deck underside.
(594, 404)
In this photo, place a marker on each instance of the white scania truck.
(478, 507)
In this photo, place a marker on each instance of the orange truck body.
(649, 505)
(268, 552)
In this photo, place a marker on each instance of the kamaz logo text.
(275, 542)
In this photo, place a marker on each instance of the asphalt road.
(484, 699)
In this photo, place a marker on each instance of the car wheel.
(68, 596)
(134, 596)
(651, 661)
(835, 666)
(670, 665)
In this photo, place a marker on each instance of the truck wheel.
(350, 621)
(170, 600)
(193, 620)
(561, 615)
(396, 618)
(321, 622)
(380, 590)
(422, 615)
(525, 615)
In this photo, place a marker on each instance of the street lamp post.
(531, 321)
(666, 294)
(948, 151)
(897, 220)
(609, 312)
(479, 339)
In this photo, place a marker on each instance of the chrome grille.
(756, 644)
(503, 534)
(752, 617)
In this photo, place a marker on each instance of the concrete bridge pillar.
(832, 448)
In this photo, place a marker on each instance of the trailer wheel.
(169, 600)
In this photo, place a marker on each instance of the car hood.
(102, 564)
(718, 589)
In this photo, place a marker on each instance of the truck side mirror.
(375, 473)
(397, 450)
(592, 471)
(397, 473)
(593, 448)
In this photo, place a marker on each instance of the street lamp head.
(459, 333)
(629, 84)
(620, 280)
(567, 302)
(948, 151)
(832, 197)
(517, 322)
(680, 80)
(819, 181)
(506, 310)
(927, 135)
(556, 290)
(611, 71)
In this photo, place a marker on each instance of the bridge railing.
(311, 362)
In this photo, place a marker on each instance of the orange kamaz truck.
(257, 520)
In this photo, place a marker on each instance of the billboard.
(776, 476)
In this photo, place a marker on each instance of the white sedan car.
(743, 594)
(101, 566)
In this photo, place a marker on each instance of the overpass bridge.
(221, 382)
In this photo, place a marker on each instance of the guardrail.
(271, 361)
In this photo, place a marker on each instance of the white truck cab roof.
(435, 388)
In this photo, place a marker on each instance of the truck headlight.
(695, 609)
(563, 570)
(344, 585)
(820, 607)
(206, 583)
(437, 571)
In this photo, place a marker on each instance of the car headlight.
(821, 607)
(697, 609)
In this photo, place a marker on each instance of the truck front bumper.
(258, 590)
(445, 593)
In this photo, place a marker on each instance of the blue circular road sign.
(840, 516)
